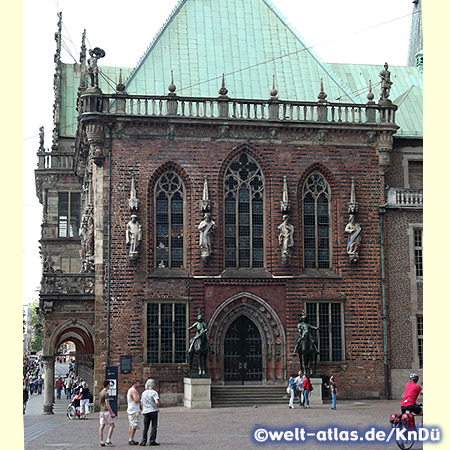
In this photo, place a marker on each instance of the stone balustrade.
(405, 198)
(55, 160)
(237, 109)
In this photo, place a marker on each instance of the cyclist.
(412, 391)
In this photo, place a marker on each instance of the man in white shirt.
(133, 411)
(299, 385)
(150, 405)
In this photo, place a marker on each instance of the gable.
(248, 40)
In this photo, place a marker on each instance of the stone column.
(49, 379)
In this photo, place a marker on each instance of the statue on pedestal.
(133, 236)
(286, 240)
(199, 344)
(305, 345)
(206, 228)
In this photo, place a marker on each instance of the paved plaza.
(217, 428)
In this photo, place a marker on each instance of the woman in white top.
(150, 405)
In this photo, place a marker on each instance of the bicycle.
(406, 442)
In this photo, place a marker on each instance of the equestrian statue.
(305, 345)
(199, 344)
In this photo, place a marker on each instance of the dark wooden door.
(243, 353)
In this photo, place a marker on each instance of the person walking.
(106, 416)
(299, 388)
(84, 404)
(69, 385)
(334, 391)
(133, 411)
(59, 386)
(292, 390)
(25, 396)
(150, 405)
(40, 384)
(306, 391)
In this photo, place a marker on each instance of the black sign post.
(112, 375)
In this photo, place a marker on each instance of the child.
(76, 400)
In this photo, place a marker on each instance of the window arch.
(316, 222)
(244, 213)
(169, 221)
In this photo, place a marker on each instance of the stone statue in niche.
(354, 239)
(133, 236)
(206, 228)
(286, 240)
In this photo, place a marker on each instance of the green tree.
(36, 327)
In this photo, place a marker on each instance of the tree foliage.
(36, 327)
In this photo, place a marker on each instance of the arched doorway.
(243, 353)
(268, 342)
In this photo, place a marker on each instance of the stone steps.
(233, 396)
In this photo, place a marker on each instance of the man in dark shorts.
(106, 415)
(412, 391)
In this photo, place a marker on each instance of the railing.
(405, 198)
(241, 109)
(55, 160)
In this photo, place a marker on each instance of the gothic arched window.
(169, 221)
(244, 213)
(316, 222)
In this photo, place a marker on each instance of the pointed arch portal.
(249, 342)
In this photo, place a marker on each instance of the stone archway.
(270, 329)
(81, 334)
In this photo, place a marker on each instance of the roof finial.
(223, 91)
(370, 95)
(322, 96)
(120, 87)
(273, 92)
(172, 87)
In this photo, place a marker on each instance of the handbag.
(288, 389)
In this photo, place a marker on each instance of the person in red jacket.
(306, 390)
(412, 391)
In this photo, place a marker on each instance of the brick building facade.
(237, 159)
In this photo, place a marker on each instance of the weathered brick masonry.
(144, 151)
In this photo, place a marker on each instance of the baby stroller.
(73, 410)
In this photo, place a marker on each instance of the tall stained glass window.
(244, 213)
(169, 221)
(316, 222)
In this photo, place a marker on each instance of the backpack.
(408, 421)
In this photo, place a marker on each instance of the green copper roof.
(406, 92)
(248, 40)
(69, 89)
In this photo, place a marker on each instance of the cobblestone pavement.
(217, 428)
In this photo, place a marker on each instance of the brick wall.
(143, 151)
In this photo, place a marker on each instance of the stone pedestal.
(315, 397)
(197, 393)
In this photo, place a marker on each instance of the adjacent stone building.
(251, 196)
